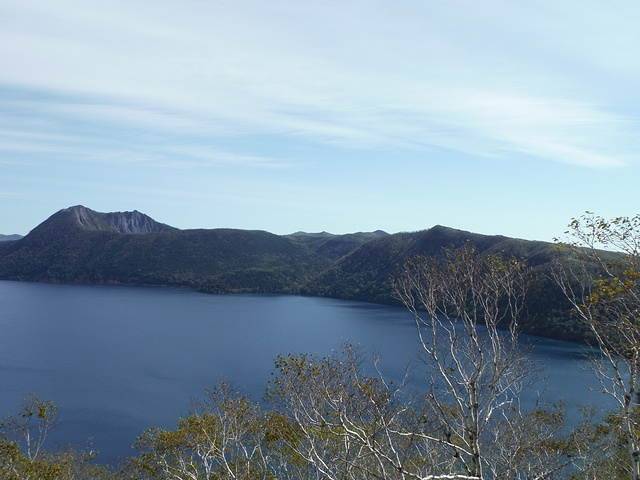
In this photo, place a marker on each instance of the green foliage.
(603, 447)
(224, 438)
(334, 247)
(216, 261)
(604, 290)
(336, 417)
(355, 266)
(22, 453)
(328, 419)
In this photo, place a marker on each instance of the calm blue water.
(118, 360)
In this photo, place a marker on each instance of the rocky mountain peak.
(120, 222)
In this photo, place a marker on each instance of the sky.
(497, 117)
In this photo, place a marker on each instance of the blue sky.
(499, 117)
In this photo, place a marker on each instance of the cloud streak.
(310, 71)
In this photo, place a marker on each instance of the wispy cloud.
(419, 75)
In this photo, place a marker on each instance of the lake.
(118, 360)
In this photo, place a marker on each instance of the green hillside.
(78, 245)
(334, 247)
(220, 260)
(366, 274)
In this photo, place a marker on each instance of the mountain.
(332, 246)
(120, 222)
(365, 274)
(9, 238)
(79, 245)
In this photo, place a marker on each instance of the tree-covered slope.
(9, 238)
(78, 245)
(334, 247)
(366, 274)
(63, 249)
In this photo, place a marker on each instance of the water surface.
(118, 360)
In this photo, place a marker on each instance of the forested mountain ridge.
(9, 238)
(129, 249)
(79, 245)
(366, 274)
(332, 246)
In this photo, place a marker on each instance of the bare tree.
(467, 307)
(24, 457)
(222, 438)
(325, 400)
(466, 425)
(350, 424)
(338, 418)
(529, 446)
(22, 438)
(600, 276)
